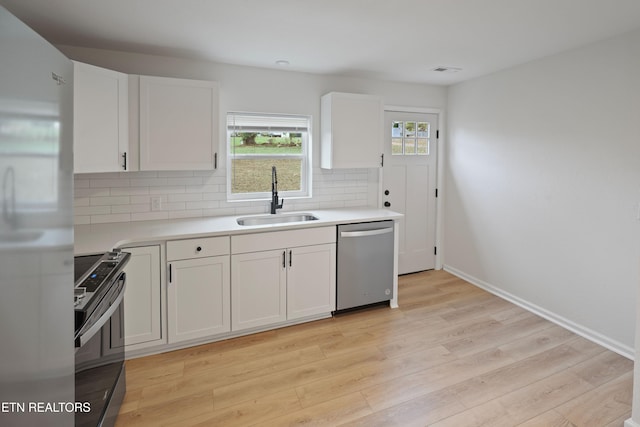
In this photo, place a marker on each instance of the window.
(257, 142)
(410, 138)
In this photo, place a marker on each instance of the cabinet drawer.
(282, 239)
(197, 248)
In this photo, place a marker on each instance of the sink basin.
(20, 235)
(275, 219)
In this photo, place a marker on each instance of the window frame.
(304, 156)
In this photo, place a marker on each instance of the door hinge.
(438, 134)
(382, 160)
(435, 250)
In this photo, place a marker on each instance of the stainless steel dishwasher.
(365, 264)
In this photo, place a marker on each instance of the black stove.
(100, 283)
(94, 277)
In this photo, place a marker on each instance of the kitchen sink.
(20, 235)
(275, 219)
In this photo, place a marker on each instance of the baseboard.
(631, 423)
(587, 333)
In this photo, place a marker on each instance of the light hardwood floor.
(451, 355)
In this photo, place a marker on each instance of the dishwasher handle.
(364, 233)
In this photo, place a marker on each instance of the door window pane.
(423, 146)
(397, 129)
(409, 146)
(423, 129)
(396, 146)
(409, 129)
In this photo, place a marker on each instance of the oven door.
(99, 376)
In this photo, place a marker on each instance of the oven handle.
(89, 333)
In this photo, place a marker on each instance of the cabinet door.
(142, 300)
(351, 131)
(100, 126)
(178, 124)
(198, 298)
(259, 289)
(311, 281)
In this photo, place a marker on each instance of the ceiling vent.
(447, 69)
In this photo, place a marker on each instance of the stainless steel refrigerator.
(36, 230)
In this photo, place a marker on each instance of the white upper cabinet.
(178, 124)
(351, 127)
(100, 125)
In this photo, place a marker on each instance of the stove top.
(93, 272)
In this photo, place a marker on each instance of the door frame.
(439, 241)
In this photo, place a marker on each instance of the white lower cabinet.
(311, 281)
(198, 291)
(198, 298)
(280, 284)
(142, 299)
(259, 294)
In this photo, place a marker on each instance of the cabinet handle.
(169, 273)
(199, 248)
(284, 259)
(382, 160)
(215, 160)
(290, 257)
(124, 157)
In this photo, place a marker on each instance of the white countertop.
(98, 238)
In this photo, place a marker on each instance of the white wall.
(126, 196)
(543, 185)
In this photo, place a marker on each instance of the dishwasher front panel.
(365, 264)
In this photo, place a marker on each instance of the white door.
(198, 298)
(142, 296)
(409, 185)
(259, 291)
(311, 281)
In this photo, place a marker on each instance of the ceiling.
(399, 40)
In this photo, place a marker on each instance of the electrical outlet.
(156, 203)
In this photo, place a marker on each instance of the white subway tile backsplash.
(107, 183)
(101, 219)
(186, 197)
(140, 199)
(148, 216)
(148, 182)
(110, 200)
(129, 191)
(167, 189)
(193, 213)
(185, 181)
(92, 210)
(126, 196)
(130, 208)
(92, 192)
(81, 219)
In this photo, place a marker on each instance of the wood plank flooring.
(451, 355)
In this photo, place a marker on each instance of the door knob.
(386, 192)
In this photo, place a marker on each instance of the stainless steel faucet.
(275, 203)
(9, 203)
